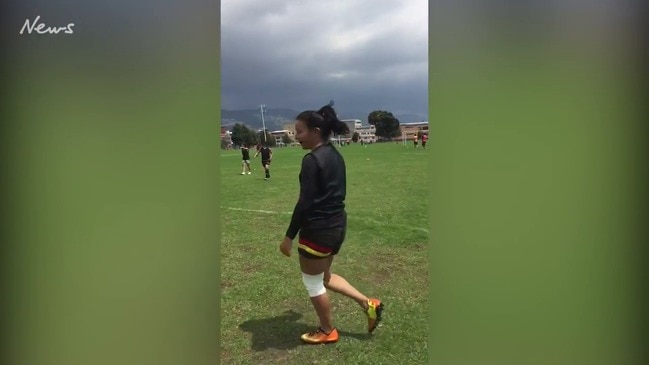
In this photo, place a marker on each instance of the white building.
(353, 124)
(226, 136)
(279, 136)
(366, 133)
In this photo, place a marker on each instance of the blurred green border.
(534, 199)
(113, 247)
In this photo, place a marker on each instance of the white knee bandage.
(314, 284)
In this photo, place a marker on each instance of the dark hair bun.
(328, 113)
(331, 119)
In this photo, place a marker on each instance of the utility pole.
(262, 107)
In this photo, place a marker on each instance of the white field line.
(373, 221)
(257, 211)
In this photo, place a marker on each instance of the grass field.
(264, 305)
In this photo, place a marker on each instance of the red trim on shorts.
(314, 246)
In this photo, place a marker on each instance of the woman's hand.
(286, 246)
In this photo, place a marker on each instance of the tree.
(286, 139)
(243, 135)
(270, 139)
(355, 137)
(239, 134)
(253, 138)
(387, 126)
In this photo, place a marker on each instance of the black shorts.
(265, 162)
(321, 243)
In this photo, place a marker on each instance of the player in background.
(266, 157)
(321, 221)
(424, 138)
(245, 159)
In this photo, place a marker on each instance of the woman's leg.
(372, 307)
(321, 303)
(338, 284)
(321, 266)
(266, 169)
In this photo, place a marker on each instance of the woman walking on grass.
(320, 218)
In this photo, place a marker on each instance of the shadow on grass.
(283, 332)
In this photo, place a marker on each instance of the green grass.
(264, 305)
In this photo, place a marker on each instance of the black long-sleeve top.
(322, 191)
(245, 153)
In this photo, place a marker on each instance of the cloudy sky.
(299, 54)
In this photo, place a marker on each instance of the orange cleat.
(320, 337)
(374, 311)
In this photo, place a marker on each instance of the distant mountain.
(275, 118)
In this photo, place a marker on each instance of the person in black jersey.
(320, 218)
(245, 159)
(266, 157)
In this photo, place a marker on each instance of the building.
(410, 129)
(352, 124)
(226, 136)
(367, 134)
(279, 136)
(289, 126)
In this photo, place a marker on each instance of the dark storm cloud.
(365, 54)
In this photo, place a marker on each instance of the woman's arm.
(308, 186)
